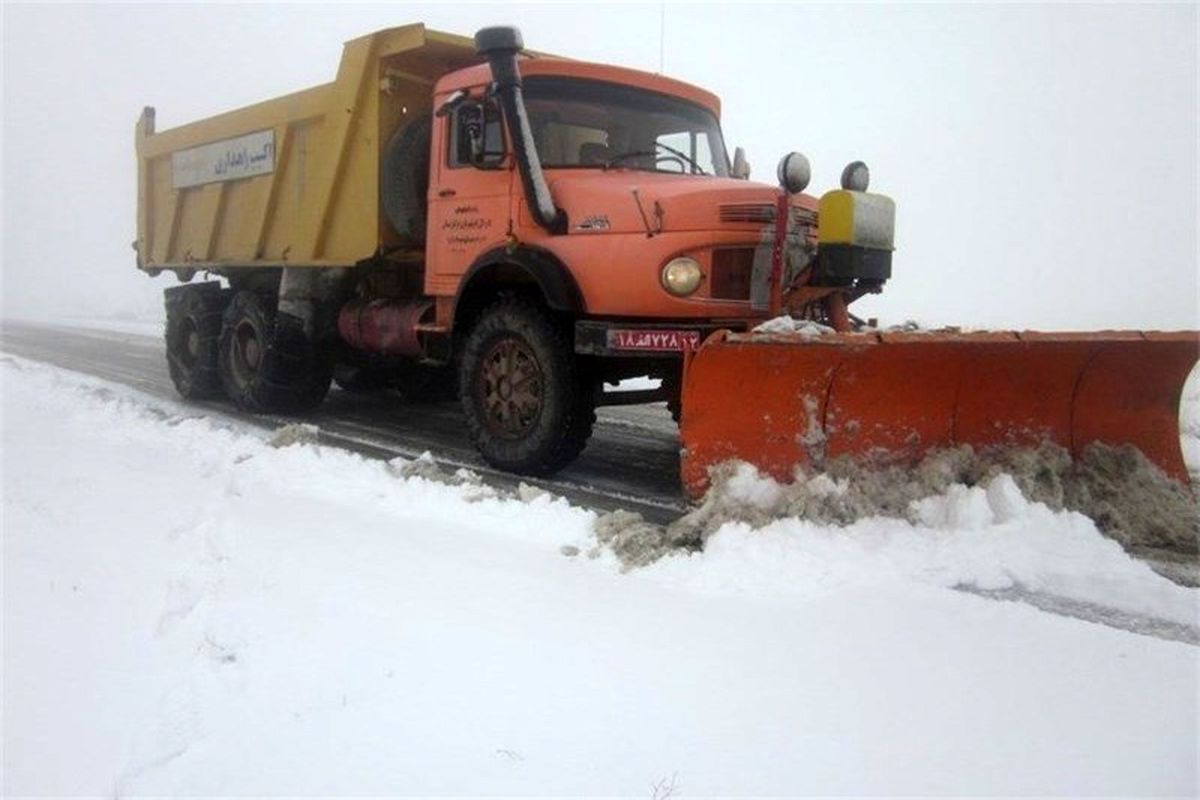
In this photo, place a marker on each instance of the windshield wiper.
(682, 155)
(654, 153)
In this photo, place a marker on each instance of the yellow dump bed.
(295, 180)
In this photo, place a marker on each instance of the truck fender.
(505, 267)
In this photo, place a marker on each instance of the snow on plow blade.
(782, 400)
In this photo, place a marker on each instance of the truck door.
(470, 194)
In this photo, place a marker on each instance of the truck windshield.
(584, 123)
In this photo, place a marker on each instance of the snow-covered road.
(188, 610)
(632, 460)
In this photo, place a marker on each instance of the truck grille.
(763, 214)
(803, 216)
(748, 212)
(732, 268)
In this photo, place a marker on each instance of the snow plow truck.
(457, 215)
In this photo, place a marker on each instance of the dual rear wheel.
(193, 335)
(266, 361)
(529, 402)
(228, 343)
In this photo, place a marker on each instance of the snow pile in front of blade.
(752, 534)
(787, 324)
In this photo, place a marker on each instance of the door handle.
(447, 193)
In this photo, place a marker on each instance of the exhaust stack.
(500, 45)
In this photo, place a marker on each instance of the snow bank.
(190, 610)
(871, 528)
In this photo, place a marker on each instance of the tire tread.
(577, 401)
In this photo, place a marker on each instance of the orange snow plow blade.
(782, 400)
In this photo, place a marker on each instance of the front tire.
(267, 365)
(529, 408)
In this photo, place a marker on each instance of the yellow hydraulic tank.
(292, 181)
(857, 218)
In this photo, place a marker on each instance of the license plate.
(660, 340)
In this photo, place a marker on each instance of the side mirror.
(472, 123)
(741, 167)
(479, 130)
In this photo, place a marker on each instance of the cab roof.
(550, 65)
(451, 60)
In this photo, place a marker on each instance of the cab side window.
(476, 136)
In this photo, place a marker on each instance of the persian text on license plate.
(662, 340)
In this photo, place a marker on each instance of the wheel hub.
(247, 353)
(189, 338)
(512, 388)
(252, 353)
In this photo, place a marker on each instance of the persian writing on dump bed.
(226, 160)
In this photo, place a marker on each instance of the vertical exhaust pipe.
(500, 46)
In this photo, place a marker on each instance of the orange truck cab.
(547, 227)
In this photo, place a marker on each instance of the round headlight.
(856, 177)
(794, 173)
(681, 276)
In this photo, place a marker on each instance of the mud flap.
(782, 400)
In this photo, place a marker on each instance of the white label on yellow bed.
(227, 160)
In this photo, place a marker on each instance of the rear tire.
(528, 406)
(193, 334)
(268, 364)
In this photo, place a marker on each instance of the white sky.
(1043, 158)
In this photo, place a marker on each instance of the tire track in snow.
(192, 615)
(1142, 624)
